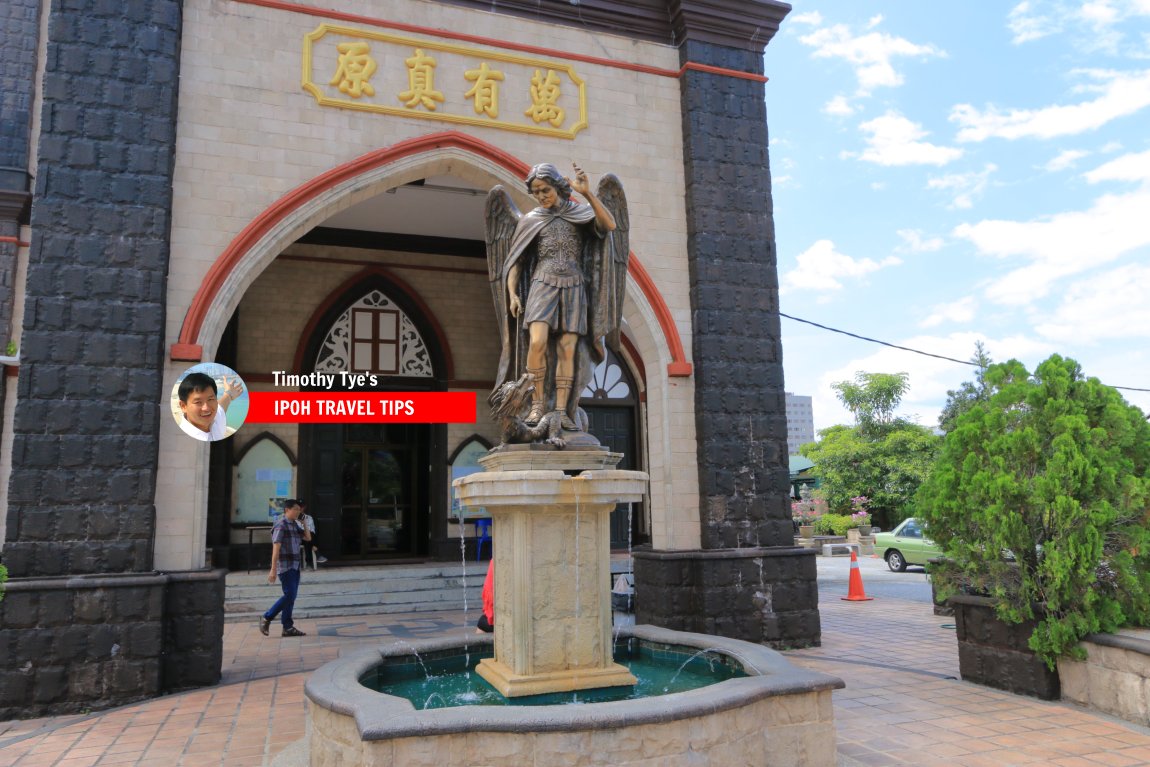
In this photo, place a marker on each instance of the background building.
(278, 187)
(800, 422)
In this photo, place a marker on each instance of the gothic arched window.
(374, 335)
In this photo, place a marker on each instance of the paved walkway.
(903, 703)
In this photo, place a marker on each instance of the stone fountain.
(549, 489)
(552, 567)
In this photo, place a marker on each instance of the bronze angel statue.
(558, 275)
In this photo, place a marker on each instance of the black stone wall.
(86, 622)
(736, 348)
(765, 595)
(747, 581)
(998, 654)
(86, 431)
(71, 644)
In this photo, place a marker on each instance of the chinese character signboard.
(390, 74)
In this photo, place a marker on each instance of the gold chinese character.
(485, 92)
(544, 94)
(421, 82)
(355, 68)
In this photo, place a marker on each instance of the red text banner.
(361, 407)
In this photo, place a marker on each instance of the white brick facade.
(249, 135)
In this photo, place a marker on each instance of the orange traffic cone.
(855, 592)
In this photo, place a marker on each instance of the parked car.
(905, 545)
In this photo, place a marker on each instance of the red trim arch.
(187, 347)
(347, 286)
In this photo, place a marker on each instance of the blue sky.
(946, 173)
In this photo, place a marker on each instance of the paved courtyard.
(903, 703)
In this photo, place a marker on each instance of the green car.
(905, 545)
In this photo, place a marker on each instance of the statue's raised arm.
(558, 276)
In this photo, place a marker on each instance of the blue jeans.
(289, 580)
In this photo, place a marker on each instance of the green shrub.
(1039, 498)
(833, 524)
(3, 578)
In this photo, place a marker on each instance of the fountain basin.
(779, 714)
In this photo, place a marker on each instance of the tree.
(872, 398)
(883, 457)
(887, 468)
(1040, 496)
(960, 400)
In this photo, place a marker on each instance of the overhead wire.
(913, 351)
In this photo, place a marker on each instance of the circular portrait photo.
(209, 402)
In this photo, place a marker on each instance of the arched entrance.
(611, 401)
(373, 484)
(263, 279)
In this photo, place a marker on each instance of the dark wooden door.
(614, 426)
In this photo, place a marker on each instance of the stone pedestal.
(552, 554)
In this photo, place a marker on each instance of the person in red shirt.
(486, 622)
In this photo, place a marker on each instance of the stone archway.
(181, 499)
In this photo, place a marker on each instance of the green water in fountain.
(447, 679)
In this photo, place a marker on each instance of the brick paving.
(903, 703)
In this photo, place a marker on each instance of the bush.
(833, 524)
(1039, 499)
(3, 578)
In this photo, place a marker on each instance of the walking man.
(287, 551)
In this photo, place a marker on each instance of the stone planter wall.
(79, 643)
(1114, 678)
(996, 654)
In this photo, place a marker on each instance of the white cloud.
(914, 242)
(964, 186)
(872, 54)
(1026, 26)
(1128, 167)
(839, 107)
(962, 311)
(1108, 305)
(1106, 22)
(1065, 159)
(820, 267)
(1122, 94)
(1060, 245)
(1100, 13)
(894, 140)
(814, 18)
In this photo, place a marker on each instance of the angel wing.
(501, 217)
(613, 278)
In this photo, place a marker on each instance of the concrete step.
(333, 591)
(362, 590)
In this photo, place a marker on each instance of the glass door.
(378, 500)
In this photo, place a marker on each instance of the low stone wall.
(996, 654)
(766, 595)
(69, 644)
(1114, 678)
(781, 716)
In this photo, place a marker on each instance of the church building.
(288, 189)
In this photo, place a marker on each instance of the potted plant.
(860, 516)
(804, 519)
(806, 511)
(1039, 499)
